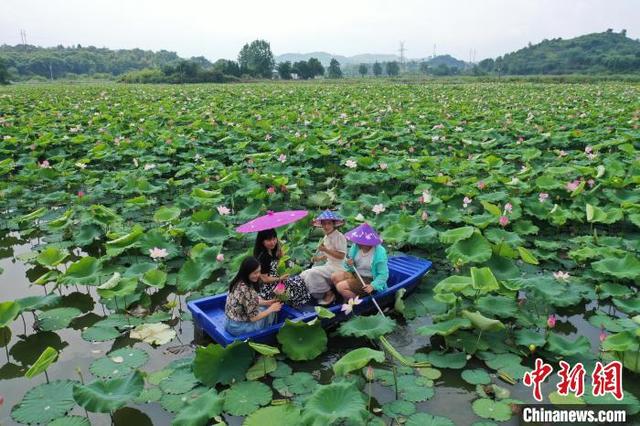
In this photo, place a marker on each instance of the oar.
(363, 285)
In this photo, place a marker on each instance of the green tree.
(256, 59)
(377, 69)
(284, 70)
(334, 70)
(315, 67)
(392, 68)
(363, 69)
(4, 73)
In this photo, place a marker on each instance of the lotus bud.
(370, 373)
(551, 321)
(532, 348)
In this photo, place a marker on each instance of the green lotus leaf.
(475, 249)
(324, 312)
(46, 358)
(630, 306)
(107, 396)
(614, 290)
(454, 360)
(31, 303)
(415, 389)
(598, 215)
(526, 337)
(199, 411)
(149, 395)
(399, 408)
(489, 409)
(426, 419)
(507, 363)
(45, 402)
(444, 328)
(243, 398)
(476, 377)
(100, 333)
(625, 267)
(430, 373)
(502, 306)
(334, 402)
(423, 236)
(527, 256)
(263, 366)
(173, 403)
(86, 234)
(5, 336)
(33, 215)
(263, 349)
(51, 256)
(301, 341)
(57, 319)
(8, 312)
(103, 215)
(120, 244)
(282, 370)
(298, 383)
(483, 280)
(356, 359)
(631, 403)
(556, 399)
(494, 392)
(279, 415)
(483, 323)
(70, 421)
(453, 284)
(153, 333)
(166, 214)
(394, 234)
(154, 278)
(371, 326)
(82, 270)
(118, 363)
(156, 239)
(561, 346)
(491, 208)
(47, 277)
(215, 364)
(212, 232)
(117, 288)
(191, 276)
(452, 236)
(620, 342)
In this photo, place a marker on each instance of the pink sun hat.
(364, 234)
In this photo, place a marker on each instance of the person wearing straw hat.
(369, 258)
(334, 247)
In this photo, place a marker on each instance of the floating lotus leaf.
(181, 380)
(244, 398)
(501, 306)
(444, 328)
(51, 256)
(282, 370)
(8, 312)
(399, 408)
(630, 306)
(493, 392)
(426, 419)
(620, 342)
(149, 395)
(215, 364)
(476, 377)
(155, 278)
(507, 363)
(263, 349)
(430, 373)
(334, 402)
(46, 358)
(483, 280)
(263, 366)
(118, 363)
(166, 214)
(489, 409)
(356, 359)
(444, 360)
(625, 267)
(561, 346)
(279, 415)
(45, 402)
(475, 249)
(107, 396)
(70, 421)
(295, 384)
(481, 322)
(452, 236)
(57, 319)
(176, 402)
(371, 326)
(100, 333)
(301, 341)
(199, 411)
(153, 333)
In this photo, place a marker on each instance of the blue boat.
(209, 317)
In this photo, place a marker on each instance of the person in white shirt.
(333, 248)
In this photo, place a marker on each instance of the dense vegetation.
(524, 196)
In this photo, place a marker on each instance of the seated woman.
(246, 311)
(334, 247)
(267, 251)
(369, 258)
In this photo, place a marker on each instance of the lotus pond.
(119, 204)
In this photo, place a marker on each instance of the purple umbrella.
(272, 220)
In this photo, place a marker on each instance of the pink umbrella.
(272, 220)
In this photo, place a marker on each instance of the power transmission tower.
(434, 51)
(402, 50)
(23, 37)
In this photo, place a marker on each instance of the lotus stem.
(46, 376)
(479, 337)
(395, 379)
(24, 323)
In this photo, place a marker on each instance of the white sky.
(218, 28)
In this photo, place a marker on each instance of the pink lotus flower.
(466, 201)
(591, 182)
(383, 166)
(562, 153)
(481, 185)
(561, 276)
(378, 208)
(271, 190)
(347, 308)
(80, 193)
(425, 215)
(223, 210)
(45, 165)
(351, 164)
(603, 335)
(551, 321)
(508, 207)
(282, 158)
(426, 197)
(370, 373)
(504, 221)
(220, 257)
(158, 253)
(280, 288)
(588, 150)
(572, 186)
(542, 197)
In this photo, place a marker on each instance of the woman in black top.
(267, 251)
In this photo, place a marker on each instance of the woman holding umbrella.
(366, 256)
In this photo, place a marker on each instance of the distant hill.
(596, 53)
(447, 60)
(325, 58)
